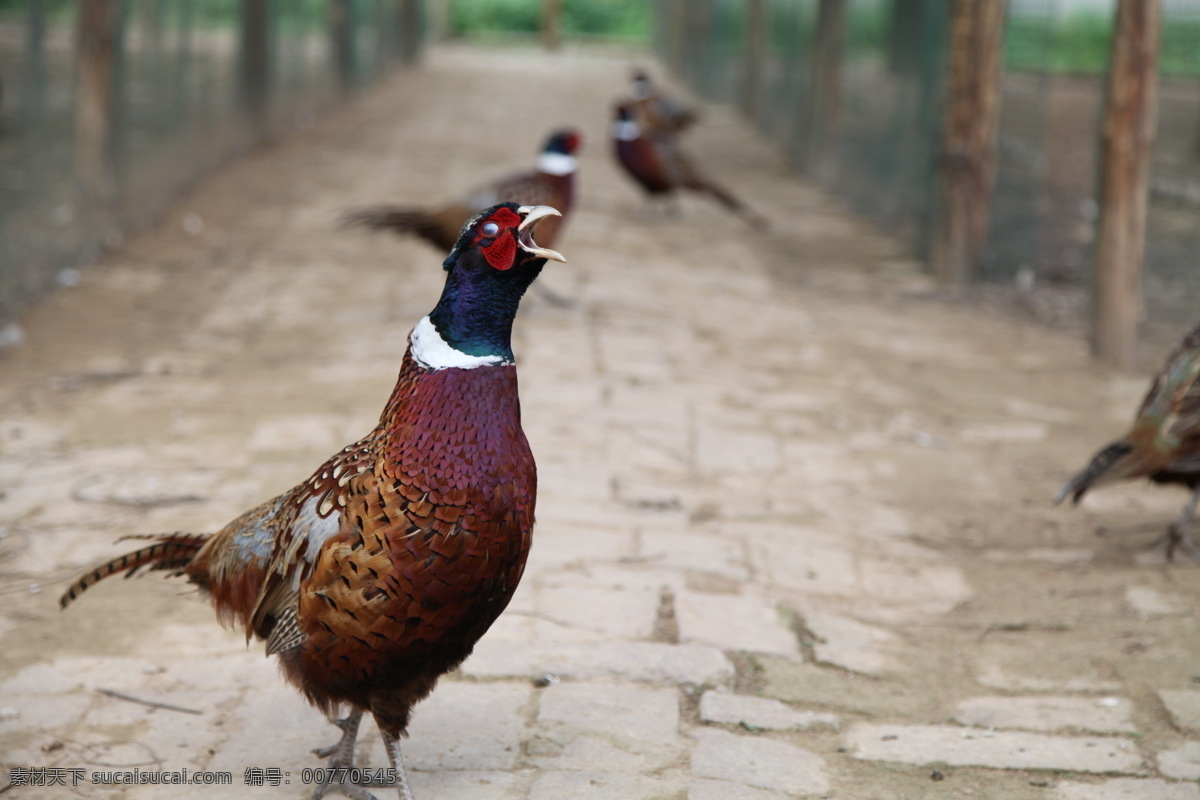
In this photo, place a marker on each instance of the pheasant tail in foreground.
(380, 572)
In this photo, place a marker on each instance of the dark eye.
(490, 229)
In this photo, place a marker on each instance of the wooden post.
(398, 47)
(905, 18)
(95, 106)
(254, 66)
(677, 22)
(756, 34)
(1126, 145)
(410, 29)
(552, 24)
(341, 40)
(700, 42)
(33, 100)
(967, 162)
(152, 15)
(440, 13)
(180, 101)
(825, 109)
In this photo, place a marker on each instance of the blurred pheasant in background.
(661, 168)
(550, 183)
(656, 110)
(380, 572)
(1163, 444)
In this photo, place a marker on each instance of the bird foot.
(344, 785)
(343, 748)
(340, 773)
(348, 779)
(1178, 536)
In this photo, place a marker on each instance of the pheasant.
(1163, 444)
(550, 183)
(661, 168)
(379, 573)
(659, 111)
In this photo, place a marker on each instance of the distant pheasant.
(1163, 444)
(550, 183)
(661, 167)
(380, 572)
(657, 110)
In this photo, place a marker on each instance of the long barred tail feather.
(171, 551)
(1078, 486)
(400, 220)
(730, 201)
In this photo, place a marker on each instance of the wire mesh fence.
(180, 103)
(1172, 286)
(886, 127)
(891, 84)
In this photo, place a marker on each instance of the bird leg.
(392, 743)
(343, 750)
(1179, 533)
(341, 757)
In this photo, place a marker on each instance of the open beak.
(532, 215)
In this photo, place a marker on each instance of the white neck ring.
(556, 163)
(431, 351)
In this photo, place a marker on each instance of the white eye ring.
(490, 229)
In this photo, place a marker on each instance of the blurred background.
(109, 109)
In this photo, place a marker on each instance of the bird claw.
(336, 775)
(1178, 536)
(352, 734)
(346, 787)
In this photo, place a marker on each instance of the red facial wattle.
(501, 254)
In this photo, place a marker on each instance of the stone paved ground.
(793, 537)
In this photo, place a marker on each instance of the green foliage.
(302, 16)
(287, 15)
(57, 11)
(1180, 55)
(624, 19)
(495, 16)
(619, 19)
(867, 26)
(1081, 42)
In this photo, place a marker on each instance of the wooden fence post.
(180, 102)
(552, 24)
(677, 21)
(408, 18)
(825, 109)
(967, 161)
(756, 30)
(700, 40)
(254, 66)
(1126, 145)
(905, 19)
(95, 106)
(33, 99)
(341, 41)
(440, 13)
